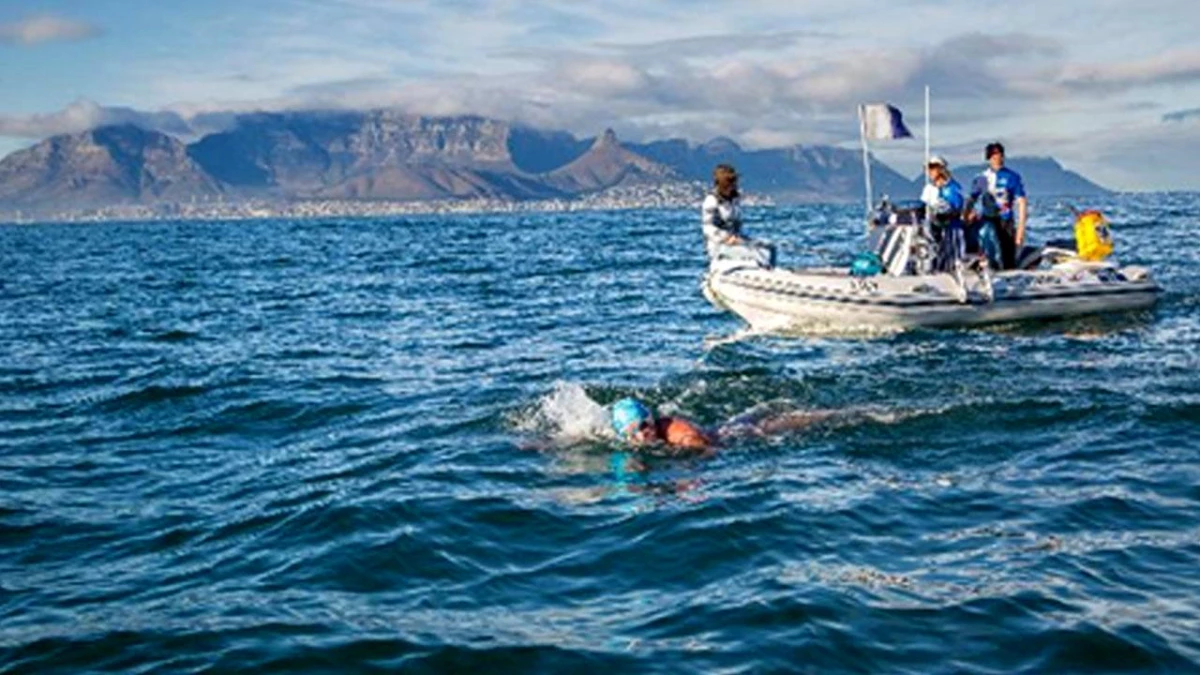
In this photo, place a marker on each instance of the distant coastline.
(678, 195)
(382, 162)
(667, 195)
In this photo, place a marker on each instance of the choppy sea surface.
(379, 445)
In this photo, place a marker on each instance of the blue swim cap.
(627, 411)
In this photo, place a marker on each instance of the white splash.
(745, 333)
(565, 415)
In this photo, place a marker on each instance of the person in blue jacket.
(1003, 205)
(944, 201)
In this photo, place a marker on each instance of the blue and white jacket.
(1000, 191)
(945, 203)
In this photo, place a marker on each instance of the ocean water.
(380, 446)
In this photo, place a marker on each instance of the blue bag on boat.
(866, 264)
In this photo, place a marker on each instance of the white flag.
(881, 122)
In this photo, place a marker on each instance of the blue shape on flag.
(882, 121)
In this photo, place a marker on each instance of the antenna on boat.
(862, 135)
(925, 166)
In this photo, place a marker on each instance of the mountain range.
(1042, 176)
(386, 155)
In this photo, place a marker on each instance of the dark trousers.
(951, 244)
(971, 236)
(1006, 236)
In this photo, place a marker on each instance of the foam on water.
(566, 415)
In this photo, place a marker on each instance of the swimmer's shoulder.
(680, 433)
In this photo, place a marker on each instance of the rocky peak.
(721, 145)
(606, 140)
(606, 164)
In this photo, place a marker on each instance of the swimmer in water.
(636, 424)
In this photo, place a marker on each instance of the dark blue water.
(357, 446)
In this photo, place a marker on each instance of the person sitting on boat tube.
(721, 222)
(636, 424)
(944, 201)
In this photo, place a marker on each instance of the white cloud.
(602, 77)
(756, 98)
(722, 44)
(766, 72)
(1147, 157)
(1177, 67)
(84, 114)
(46, 28)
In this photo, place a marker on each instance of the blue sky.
(1111, 89)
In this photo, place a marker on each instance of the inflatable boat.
(902, 291)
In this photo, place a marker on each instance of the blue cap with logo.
(627, 412)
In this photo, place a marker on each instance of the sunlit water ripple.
(372, 445)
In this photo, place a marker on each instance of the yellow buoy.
(1093, 239)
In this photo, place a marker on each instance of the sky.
(1109, 88)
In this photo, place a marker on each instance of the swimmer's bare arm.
(793, 421)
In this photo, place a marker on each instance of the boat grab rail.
(978, 263)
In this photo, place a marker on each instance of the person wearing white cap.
(944, 200)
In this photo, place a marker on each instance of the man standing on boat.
(721, 221)
(1003, 205)
(943, 198)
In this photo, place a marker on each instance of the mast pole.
(862, 135)
(924, 169)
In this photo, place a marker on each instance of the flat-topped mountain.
(366, 155)
(394, 156)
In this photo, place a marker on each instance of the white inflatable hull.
(779, 299)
